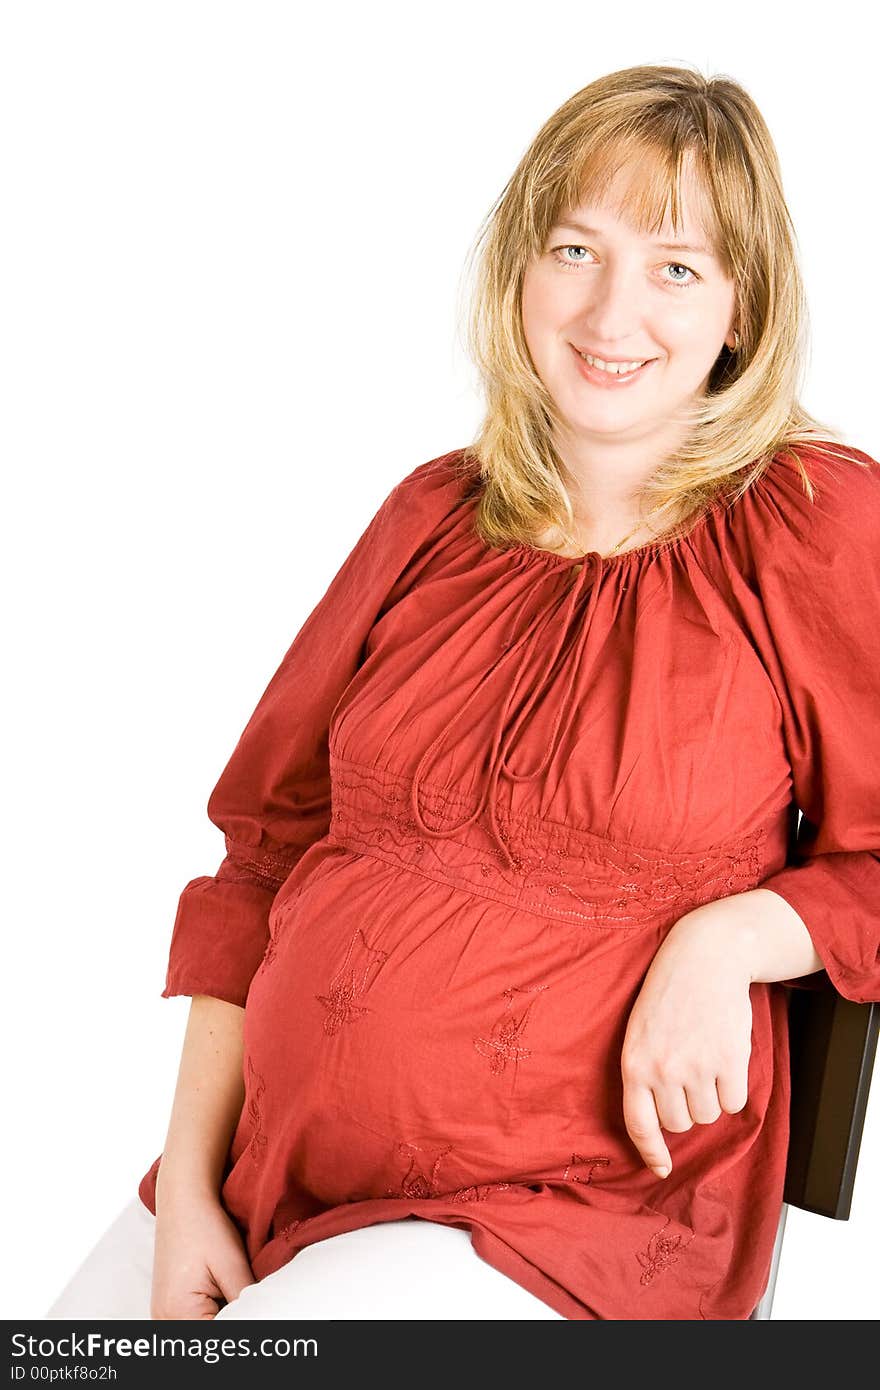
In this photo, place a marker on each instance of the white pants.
(395, 1270)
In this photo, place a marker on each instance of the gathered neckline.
(669, 543)
(609, 561)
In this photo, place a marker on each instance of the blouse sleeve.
(816, 572)
(272, 800)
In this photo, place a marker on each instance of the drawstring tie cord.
(502, 741)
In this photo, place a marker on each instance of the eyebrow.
(661, 245)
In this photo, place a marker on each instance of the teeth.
(615, 368)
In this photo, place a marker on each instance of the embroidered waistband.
(555, 870)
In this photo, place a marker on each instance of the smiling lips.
(600, 376)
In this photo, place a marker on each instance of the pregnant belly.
(428, 1044)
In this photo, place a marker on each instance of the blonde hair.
(652, 118)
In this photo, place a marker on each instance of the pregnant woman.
(489, 992)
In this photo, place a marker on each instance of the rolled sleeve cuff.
(220, 936)
(832, 897)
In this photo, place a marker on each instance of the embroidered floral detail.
(558, 871)
(256, 1089)
(278, 920)
(480, 1192)
(417, 1182)
(353, 978)
(502, 1044)
(287, 1232)
(662, 1252)
(579, 1161)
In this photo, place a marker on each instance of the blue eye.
(675, 265)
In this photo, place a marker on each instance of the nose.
(614, 308)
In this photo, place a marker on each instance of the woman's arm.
(685, 1056)
(200, 1261)
(774, 938)
(207, 1102)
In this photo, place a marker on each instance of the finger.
(643, 1127)
(672, 1108)
(233, 1275)
(192, 1306)
(703, 1103)
(733, 1092)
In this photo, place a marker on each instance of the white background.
(232, 243)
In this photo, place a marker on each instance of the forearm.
(207, 1101)
(772, 938)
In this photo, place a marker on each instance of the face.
(624, 297)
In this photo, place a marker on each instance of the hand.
(685, 1055)
(199, 1259)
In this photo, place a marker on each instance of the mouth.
(599, 376)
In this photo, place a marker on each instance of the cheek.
(533, 309)
(538, 328)
(689, 339)
(698, 325)
(545, 303)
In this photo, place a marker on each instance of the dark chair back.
(833, 1042)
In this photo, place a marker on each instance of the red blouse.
(477, 793)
